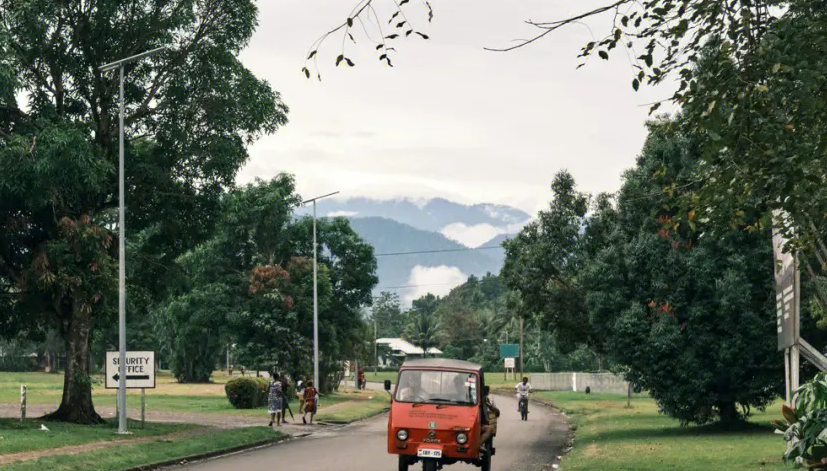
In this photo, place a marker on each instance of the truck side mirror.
(387, 385)
(486, 390)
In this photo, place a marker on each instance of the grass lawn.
(127, 456)
(16, 437)
(169, 395)
(609, 436)
(356, 409)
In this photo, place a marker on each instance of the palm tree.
(422, 330)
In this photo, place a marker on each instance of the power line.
(394, 254)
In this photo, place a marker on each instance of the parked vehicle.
(436, 415)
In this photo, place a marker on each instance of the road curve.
(521, 446)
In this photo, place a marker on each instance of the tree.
(258, 263)
(59, 154)
(422, 330)
(691, 317)
(193, 331)
(388, 316)
(543, 263)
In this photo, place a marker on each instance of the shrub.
(805, 426)
(246, 393)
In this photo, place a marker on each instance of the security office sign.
(786, 292)
(140, 370)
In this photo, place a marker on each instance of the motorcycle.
(523, 407)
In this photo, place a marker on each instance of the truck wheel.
(403, 463)
(429, 464)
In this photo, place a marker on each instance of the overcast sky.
(450, 119)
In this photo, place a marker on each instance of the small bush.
(246, 393)
(261, 385)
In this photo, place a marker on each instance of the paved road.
(521, 446)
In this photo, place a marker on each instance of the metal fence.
(606, 383)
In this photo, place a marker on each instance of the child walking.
(310, 399)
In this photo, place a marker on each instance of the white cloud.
(476, 235)
(471, 236)
(436, 280)
(346, 214)
(433, 124)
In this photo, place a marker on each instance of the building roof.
(406, 347)
(441, 363)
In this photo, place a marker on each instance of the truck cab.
(437, 412)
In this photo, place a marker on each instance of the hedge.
(246, 393)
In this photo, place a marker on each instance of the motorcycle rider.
(523, 388)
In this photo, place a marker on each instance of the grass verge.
(159, 451)
(355, 410)
(17, 437)
(610, 436)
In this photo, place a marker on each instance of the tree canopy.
(59, 152)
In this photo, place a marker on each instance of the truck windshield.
(437, 387)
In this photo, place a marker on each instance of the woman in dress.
(310, 395)
(275, 397)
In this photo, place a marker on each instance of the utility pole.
(521, 347)
(375, 350)
(316, 294)
(121, 240)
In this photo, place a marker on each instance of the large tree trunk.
(729, 416)
(76, 404)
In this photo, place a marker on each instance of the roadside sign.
(509, 363)
(140, 370)
(509, 350)
(786, 293)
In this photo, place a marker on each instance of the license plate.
(429, 453)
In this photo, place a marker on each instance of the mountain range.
(439, 232)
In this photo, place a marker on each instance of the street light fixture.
(121, 246)
(316, 293)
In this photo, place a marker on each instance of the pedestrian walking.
(362, 381)
(285, 387)
(275, 399)
(310, 402)
(300, 387)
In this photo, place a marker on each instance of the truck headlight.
(462, 438)
(402, 434)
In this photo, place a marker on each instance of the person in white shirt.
(523, 388)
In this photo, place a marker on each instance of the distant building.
(394, 352)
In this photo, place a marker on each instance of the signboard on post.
(510, 362)
(786, 293)
(140, 370)
(509, 350)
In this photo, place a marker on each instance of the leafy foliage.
(252, 284)
(246, 393)
(388, 316)
(59, 154)
(804, 426)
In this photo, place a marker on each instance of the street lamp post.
(316, 293)
(121, 238)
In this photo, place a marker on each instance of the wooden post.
(787, 386)
(22, 403)
(143, 407)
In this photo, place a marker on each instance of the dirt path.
(223, 421)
